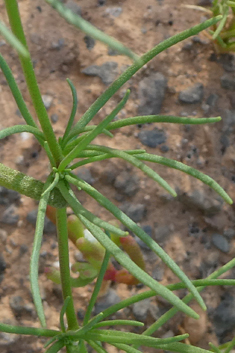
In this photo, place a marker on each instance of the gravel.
(152, 138)
(192, 94)
(106, 72)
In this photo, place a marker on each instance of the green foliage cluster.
(77, 143)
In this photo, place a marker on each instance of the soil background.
(196, 228)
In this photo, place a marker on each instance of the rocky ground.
(196, 228)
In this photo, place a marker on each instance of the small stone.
(228, 62)
(106, 72)
(220, 242)
(162, 233)
(229, 233)
(224, 316)
(212, 99)
(73, 6)
(101, 2)
(164, 148)
(198, 199)
(54, 118)
(3, 236)
(7, 196)
(192, 94)
(127, 184)
(113, 11)
(23, 249)
(90, 42)
(106, 301)
(49, 227)
(152, 138)
(228, 122)
(47, 101)
(10, 216)
(85, 174)
(135, 211)
(151, 94)
(140, 309)
(227, 81)
(113, 52)
(2, 264)
(57, 45)
(80, 314)
(17, 305)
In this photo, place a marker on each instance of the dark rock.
(90, 42)
(2, 264)
(151, 94)
(212, 99)
(229, 233)
(85, 174)
(107, 72)
(220, 242)
(17, 305)
(228, 62)
(23, 249)
(113, 11)
(49, 227)
(198, 199)
(73, 6)
(57, 45)
(149, 231)
(7, 197)
(224, 316)
(54, 118)
(228, 121)
(140, 309)
(106, 301)
(101, 2)
(164, 148)
(192, 94)
(152, 138)
(113, 52)
(227, 81)
(80, 314)
(126, 183)
(135, 211)
(162, 233)
(10, 216)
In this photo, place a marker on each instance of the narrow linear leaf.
(173, 311)
(135, 162)
(214, 348)
(123, 259)
(117, 84)
(56, 347)
(16, 93)
(82, 331)
(93, 134)
(126, 348)
(230, 346)
(49, 342)
(188, 170)
(182, 348)
(32, 331)
(13, 41)
(73, 112)
(90, 30)
(34, 262)
(119, 322)
(97, 347)
(49, 154)
(160, 119)
(52, 185)
(221, 24)
(62, 313)
(23, 128)
(124, 219)
(97, 287)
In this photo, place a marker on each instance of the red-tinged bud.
(75, 228)
(93, 252)
(53, 274)
(123, 276)
(110, 273)
(131, 247)
(51, 213)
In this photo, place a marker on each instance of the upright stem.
(27, 66)
(62, 233)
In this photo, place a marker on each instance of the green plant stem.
(100, 102)
(27, 66)
(62, 232)
(25, 185)
(21, 330)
